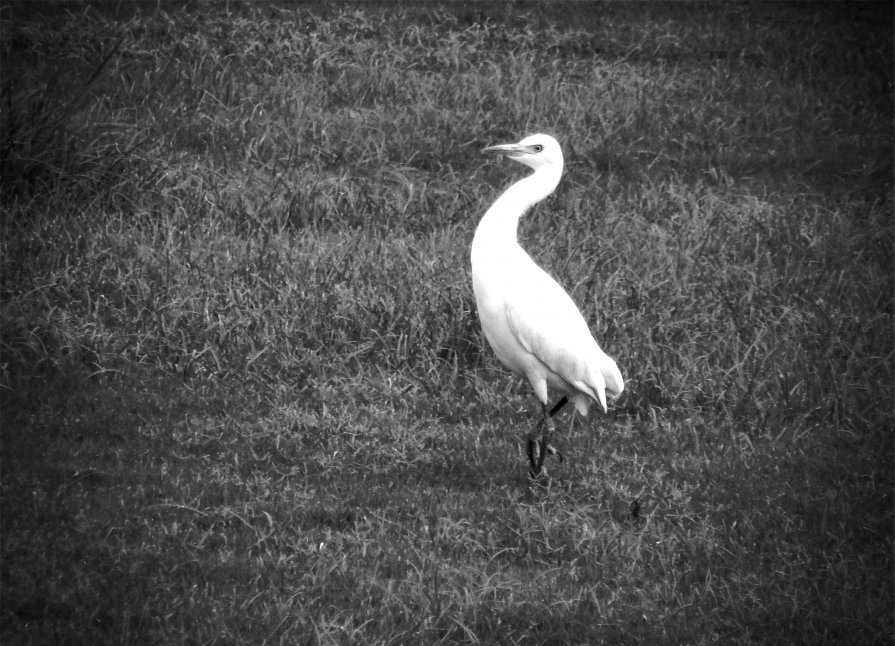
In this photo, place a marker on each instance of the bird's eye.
(538, 148)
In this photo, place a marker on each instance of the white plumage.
(531, 323)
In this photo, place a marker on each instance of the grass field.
(245, 397)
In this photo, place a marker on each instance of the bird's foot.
(552, 450)
(537, 451)
(532, 447)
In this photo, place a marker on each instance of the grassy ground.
(245, 398)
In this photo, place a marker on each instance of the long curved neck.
(500, 223)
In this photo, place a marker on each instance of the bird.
(528, 319)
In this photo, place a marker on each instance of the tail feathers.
(590, 393)
(612, 376)
(605, 379)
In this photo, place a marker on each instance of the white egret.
(530, 322)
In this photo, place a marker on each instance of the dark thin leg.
(553, 411)
(531, 440)
(558, 405)
(540, 437)
(545, 447)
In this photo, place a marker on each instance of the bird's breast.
(493, 278)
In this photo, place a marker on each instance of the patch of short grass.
(245, 396)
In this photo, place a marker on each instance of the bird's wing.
(547, 323)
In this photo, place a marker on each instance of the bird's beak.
(510, 150)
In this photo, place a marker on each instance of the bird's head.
(535, 151)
